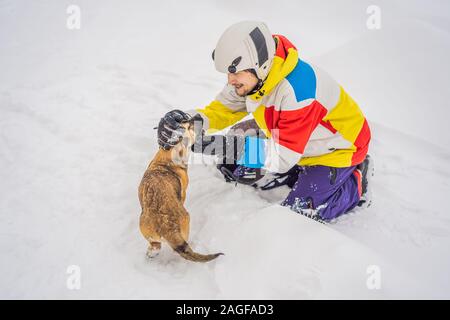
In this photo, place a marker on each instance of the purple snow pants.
(329, 191)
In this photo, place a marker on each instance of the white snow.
(77, 111)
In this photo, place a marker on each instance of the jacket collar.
(285, 60)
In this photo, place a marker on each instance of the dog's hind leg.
(185, 227)
(154, 239)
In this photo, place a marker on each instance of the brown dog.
(162, 193)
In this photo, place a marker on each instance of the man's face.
(243, 82)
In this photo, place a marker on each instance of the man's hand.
(246, 175)
(170, 129)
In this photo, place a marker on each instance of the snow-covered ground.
(77, 111)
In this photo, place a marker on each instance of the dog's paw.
(152, 254)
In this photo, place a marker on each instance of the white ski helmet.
(245, 45)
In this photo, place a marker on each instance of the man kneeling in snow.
(310, 134)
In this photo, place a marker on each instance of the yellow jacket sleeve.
(224, 111)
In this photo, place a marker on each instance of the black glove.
(240, 174)
(170, 129)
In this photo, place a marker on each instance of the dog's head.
(180, 152)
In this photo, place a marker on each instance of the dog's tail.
(180, 246)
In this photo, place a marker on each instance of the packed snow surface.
(77, 112)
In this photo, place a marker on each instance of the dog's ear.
(182, 152)
(196, 124)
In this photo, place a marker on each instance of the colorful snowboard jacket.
(308, 118)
